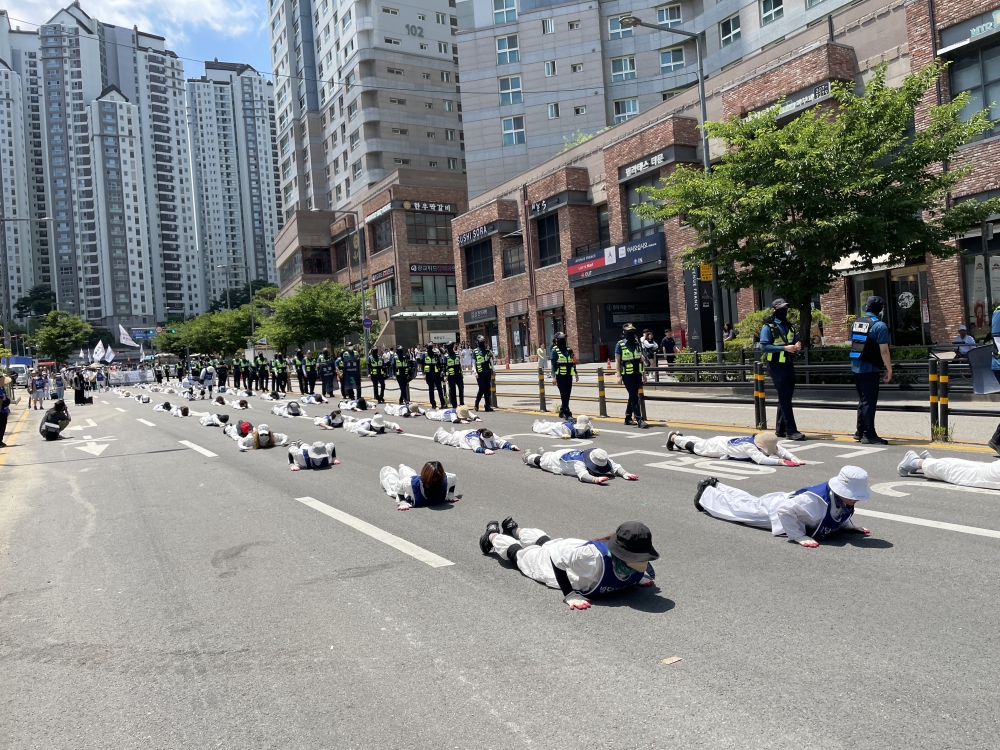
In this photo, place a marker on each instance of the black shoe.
(780, 435)
(670, 440)
(797, 436)
(641, 424)
(702, 485)
(857, 437)
(628, 421)
(994, 443)
(488, 408)
(509, 527)
(874, 441)
(484, 541)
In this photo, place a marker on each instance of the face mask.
(630, 336)
(781, 314)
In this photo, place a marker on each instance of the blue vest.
(571, 427)
(39, 383)
(741, 441)
(448, 413)
(420, 498)
(834, 518)
(610, 581)
(573, 456)
(315, 463)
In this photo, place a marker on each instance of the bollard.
(602, 402)
(759, 396)
(541, 385)
(932, 383)
(493, 388)
(943, 399)
(642, 404)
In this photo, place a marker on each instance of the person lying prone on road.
(241, 405)
(354, 404)
(761, 448)
(458, 415)
(319, 455)
(480, 441)
(239, 430)
(180, 411)
(141, 398)
(260, 438)
(290, 409)
(165, 406)
(330, 421)
(591, 465)
(804, 516)
(958, 471)
(403, 410)
(272, 396)
(432, 486)
(579, 427)
(214, 420)
(369, 426)
(578, 567)
(313, 398)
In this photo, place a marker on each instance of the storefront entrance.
(552, 321)
(517, 339)
(905, 293)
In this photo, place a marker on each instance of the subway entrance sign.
(637, 256)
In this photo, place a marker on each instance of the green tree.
(789, 202)
(318, 312)
(241, 295)
(39, 301)
(61, 334)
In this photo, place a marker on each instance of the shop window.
(978, 73)
(428, 228)
(385, 294)
(382, 232)
(433, 290)
(479, 264)
(549, 253)
(513, 261)
(603, 226)
(340, 254)
(638, 226)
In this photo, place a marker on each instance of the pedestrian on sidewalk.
(631, 374)
(668, 346)
(36, 388)
(579, 568)
(563, 370)
(4, 407)
(466, 357)
(869, 354)
(779, 343)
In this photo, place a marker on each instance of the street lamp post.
(706, 160)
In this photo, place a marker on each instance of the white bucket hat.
(377, 421)
(583, 420)
(767, 442)
(463, 412)
(851, 483)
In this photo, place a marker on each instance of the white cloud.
(173, 19)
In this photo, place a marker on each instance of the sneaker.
(509, 527)
(628, 421)
(908, 465)
(484, 541)
(797, 436)
(702, 485)
(670, 440)
(994, 443)
(857, 437)
(874, 441)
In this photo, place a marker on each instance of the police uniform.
(376, 369)
(866, 365)
(402, 372)
(327, 374)
(631, 374)
(350, 373)
(563, 370)
(309, 365)
(774, 337)
(432, 375)
(482, 358)
(456, 381)
(298, 364)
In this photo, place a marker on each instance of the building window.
(400, 102)
(729, 30)
(355, 139)
(513, 130)
(507, 50)
(352, 110)
(548, 26)
(400, 131)
(622, 68)
(671, 59)
(582, 110)
(669, 16)
(504, 11)
(576, 68)
(616, 30)
(428, 228)
(356, 169)
(550, 68)
(771, 10)
(316, 260)
(479, 264)
(510, 90)
(449, 135)
(978, 72)
(452, 163)
(398, 160)
(448, 105)
(385, 294)
(513, 261)
(625, 108)
(549, 253)
(671, 93)
(390, 11)
(553, 110)
(382, 232)
(394, 42)
(445, 76)
(638, 226)
(574, 25)
(395, 71)
(443, 48)
(433, 290)
(441, 18)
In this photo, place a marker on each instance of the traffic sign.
(159, 329)
(367, 323)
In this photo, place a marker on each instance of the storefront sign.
(637, 256)
(655, 161)
(480, 315)
(441, 208)
(378, 214)
(925, 311)
(385, 273)
(798, 101)
(705, 271)
(619, 313)
(433, 269)
(565, 198)
(985, 24)
(479, 233)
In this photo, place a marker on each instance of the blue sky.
(197, 30)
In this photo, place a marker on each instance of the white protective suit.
(450, 415)
(398, 484)
(315, 456)
(141, 398)
(471, 440)
(583, 562)
(193, 395)
(176, 411)
(312, 398)
(736, 448)
(212, 420)
(160, 407)
(364, 427)
(556, 462)
(330, 421)
(563, 430)
(350, 405)
(781, 512)
(235, 403)
(288, 410)
(403, 410)
(232, 431)
(959, 471)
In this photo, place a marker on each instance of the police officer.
(309, 367)
(779, 343)
(631, 374)
(432, 373)
(563, 370)
(453, 371)
(994, 442)
(279, 370)
(376, 369)
(260, 371)
(869, 353)
(298, 364)
(327, 373)
(402, 370)
(482, 357)
(237, 370)
(349, 365)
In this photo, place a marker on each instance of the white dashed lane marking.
(148, 424)
(196, 447)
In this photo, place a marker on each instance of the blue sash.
(837, 514)
(420, 497)
(741, 440)
(610, 580)
(573, 456)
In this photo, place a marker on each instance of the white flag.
(82, 355)
(142, 354)
(110, 355)
(99, 351)
(124, 337)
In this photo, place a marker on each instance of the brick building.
(404, 250)
(558, 247)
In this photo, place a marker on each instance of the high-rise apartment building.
(536, 73)
(235, 160)
(16, 266)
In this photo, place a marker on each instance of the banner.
(99, 351)
(124, 337)
(979, 291)
(995, 280)
(119, 377)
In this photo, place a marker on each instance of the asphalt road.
(152, 596)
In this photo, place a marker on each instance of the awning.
(848, 264)
(436, 314)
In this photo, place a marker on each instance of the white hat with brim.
(263, 430)
(851, 483)
(583, 420)
(767, 442)
(377, 421)
(597, 461)
(463, 412)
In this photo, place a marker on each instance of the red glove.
(631, 477)
(788, 462)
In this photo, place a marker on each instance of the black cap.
(560, 335)
(779, 304)
(628, 327)
(633, 542)
(875, 304)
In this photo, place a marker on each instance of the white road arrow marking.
(927, 522)
(92, 448)
(860, 450)
(887, 488)
(689, 464)
(564, 443)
